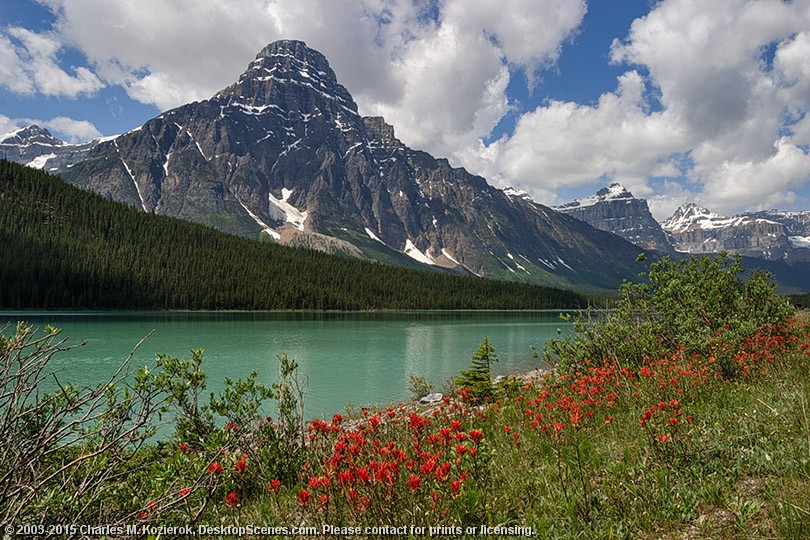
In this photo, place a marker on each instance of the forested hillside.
(61, 247)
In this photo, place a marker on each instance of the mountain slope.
(283, 153)
(65, 248)
(616, 210)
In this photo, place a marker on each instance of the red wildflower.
(455, 488)
(231, 499)
(184, 492)
(664, 438)
(414, 481)
(319, 482)
(183, 447)
(215, 468)
(476, 435)
(303, 497)
(274, 485)
(363, 475)
(241, 466)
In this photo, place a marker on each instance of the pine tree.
(478, 379)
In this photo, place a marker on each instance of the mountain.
(36, 147)
(778, 242)
(283, 153)
(616, 210)
(67, 248)
(770, 235)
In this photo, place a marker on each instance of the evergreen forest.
(64, 248)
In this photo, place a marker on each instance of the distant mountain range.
(772, 240)
(771, 234)
(36, 147)
(283, 154)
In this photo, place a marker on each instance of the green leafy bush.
(96, 455)
(688, 304)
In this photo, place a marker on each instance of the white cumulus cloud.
(440, 76)
(718, 100)
(28, 64)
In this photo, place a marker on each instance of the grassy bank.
(669, 450)
(701, 431)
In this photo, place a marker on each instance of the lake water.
(358, 358)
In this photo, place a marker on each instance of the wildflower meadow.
(683, 413)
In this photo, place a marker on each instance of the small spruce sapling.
(477, 380)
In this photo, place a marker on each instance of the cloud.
(68, 129)
(453, 72)
(714, 92)
(28, 64)
(564, 144)
(7, 125)
(716, 97)
(764, 184)
(12, 72)
(74, 131)
(437, 70)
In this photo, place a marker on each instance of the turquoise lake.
(357, 358)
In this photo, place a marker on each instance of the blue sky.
(677, 99)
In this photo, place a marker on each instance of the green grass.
(735, 465)
(704, 443)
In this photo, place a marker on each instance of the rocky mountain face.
(36, 147)
(770, 235)
(283, 153)
(616, 210)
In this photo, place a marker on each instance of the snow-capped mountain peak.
(614, 192)
(690, 214)
(509, 191)
(35, 146)
(615, 209)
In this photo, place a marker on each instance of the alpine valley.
(283, 154)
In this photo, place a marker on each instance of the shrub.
(419, 386)
(93, 455)
(690, 304)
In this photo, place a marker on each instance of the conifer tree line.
(64, 248)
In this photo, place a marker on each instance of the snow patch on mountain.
(690, 216)
(373, 236)
(281, 210)
(447, 254)
(40, 161)
(265, 227)
(413, 252)
(799, 241)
